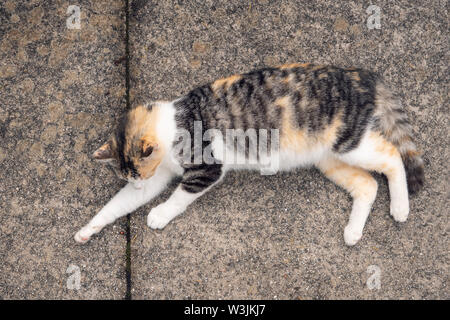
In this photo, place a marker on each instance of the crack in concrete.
(127, 96)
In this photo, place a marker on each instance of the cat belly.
(290, 159)
(281, 160)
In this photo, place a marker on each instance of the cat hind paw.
(400, 211)
(351, 236)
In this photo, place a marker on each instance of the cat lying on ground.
(345, 122)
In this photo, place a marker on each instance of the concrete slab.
(281, 236)
(60, 93)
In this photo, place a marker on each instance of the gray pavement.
(253, 236)
(60, 93)
(281, 236)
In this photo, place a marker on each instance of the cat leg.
(197, 179)
(363, 189)
(125, 201)
(377, 154)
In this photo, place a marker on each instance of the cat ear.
(104, 153)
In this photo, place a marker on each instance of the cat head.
(133, 151)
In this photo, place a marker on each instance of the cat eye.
(148, 151)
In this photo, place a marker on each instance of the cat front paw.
(82, 236)
(159, 217)
(351, 235)
(85, 233)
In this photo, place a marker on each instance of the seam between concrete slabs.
(127, 96)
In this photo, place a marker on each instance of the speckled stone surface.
(60, 92)
(270, 237)
(281, 237)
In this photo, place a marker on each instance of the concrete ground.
(60, 92)
(253, 236)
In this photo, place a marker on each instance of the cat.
(345, 122)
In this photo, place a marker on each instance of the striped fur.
(392, 121)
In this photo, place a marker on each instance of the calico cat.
(345, 122)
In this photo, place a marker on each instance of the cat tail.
(393, 123)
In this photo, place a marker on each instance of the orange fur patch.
(140, 134)
(355, 180)
(355, 76)
(102, 152)
(412, 153)
(290, 137)
(383, 146)
(148, 167)
(226, 82)
(387, 149)
(329, 135)
(298, 139)
(293, 65)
